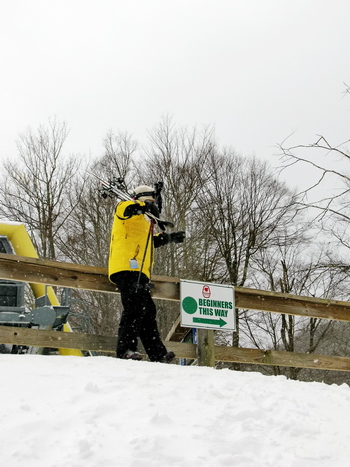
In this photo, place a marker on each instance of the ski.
(116, 188)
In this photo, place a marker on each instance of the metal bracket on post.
(205, 347)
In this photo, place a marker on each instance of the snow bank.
(87, 412)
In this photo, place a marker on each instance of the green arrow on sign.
(216, 322)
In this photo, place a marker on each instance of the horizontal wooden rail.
(56, 339)
(55, 273)
(107, 344)
(74, 276)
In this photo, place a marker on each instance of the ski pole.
(150, 234)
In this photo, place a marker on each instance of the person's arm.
(139, 207)
(164, 238)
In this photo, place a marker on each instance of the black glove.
(151, 208)
(177, 237)
(161, 239)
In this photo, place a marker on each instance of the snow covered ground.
(88, 412)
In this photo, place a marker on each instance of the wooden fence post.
(205, 347)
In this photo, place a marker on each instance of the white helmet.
(144, 192)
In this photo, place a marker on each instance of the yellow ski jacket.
(128, 242)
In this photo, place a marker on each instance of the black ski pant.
(138, 317)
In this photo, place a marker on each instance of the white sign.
(209, 306)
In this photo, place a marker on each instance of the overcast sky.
(257, 70)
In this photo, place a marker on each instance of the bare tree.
(89, 227)
(328, 163)
(119, 157)
(337, 203)
(230, 207)
(177, 157)
(245, 209)
(296, 269)
(36, 188)
(327, 199)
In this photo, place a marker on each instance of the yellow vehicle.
(48, 313)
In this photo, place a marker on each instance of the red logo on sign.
(206, 291)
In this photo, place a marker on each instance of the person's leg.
(149, 333)
(131, 316)
(138, 318)
(128, 326)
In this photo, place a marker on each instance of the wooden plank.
(75, 276)
(71, 275)
(280, 358)
(253, 299)
(205, 347)
(177, 332)
(56, 339)
(55, 273)
(73, 340)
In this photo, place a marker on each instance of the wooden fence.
(34, 270)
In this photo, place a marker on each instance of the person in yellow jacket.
(129, 267)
